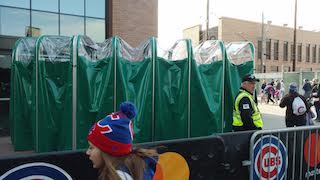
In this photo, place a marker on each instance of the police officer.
(246, 115)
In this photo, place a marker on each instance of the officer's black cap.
(250, 78)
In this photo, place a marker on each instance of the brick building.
(278, 43)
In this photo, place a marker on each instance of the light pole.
(294, 37)
(263, 40)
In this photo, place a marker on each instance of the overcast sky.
(176, 15)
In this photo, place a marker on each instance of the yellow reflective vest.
(256, 116)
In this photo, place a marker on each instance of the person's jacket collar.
(246, 90)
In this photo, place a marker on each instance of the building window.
(268, 49)
(300, 52)
(75, 7)
(13, 22)
(308, 53)
(259, 49)
(45, 23)
(95, 29)
(314, 53)
(67, 24)
(276, 50)
(95, 8)
(285, 51)
(45, 5)
(20, 3)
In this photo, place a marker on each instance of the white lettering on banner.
(312, 173)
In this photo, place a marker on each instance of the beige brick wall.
(193, 33)
(231, 29)
(135, 20)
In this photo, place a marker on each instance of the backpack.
(298, 106)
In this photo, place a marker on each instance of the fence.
(291, 153)
(287, 78)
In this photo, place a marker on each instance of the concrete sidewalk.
(273, 116)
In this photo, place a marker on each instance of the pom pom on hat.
(129, 109)
(114, 133)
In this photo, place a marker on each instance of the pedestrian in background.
(307, 88)
(295, 114)
(270, 92)
(246, 115)
(315, 96)
(282, 89)
(277, 93)
(110, 148)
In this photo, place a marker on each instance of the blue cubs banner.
(36, 171)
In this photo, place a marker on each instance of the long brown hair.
(133, 162)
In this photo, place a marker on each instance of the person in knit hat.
(111, 151)
(291, 118)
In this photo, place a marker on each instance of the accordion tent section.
(135, 82)
(239, 62)
(62, 85)
(207, 86)
(172, 94)
(53, 93)
(95, 85)
(22, 72)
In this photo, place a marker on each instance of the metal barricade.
(291, 153)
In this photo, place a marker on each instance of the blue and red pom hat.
(114, 133)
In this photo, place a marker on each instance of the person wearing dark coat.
(292, 119)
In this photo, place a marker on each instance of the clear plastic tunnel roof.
(179, 51)
(25, 50)
(240, 52)
(208, 52)
(143, 51)
(94, 51)
(55, 48)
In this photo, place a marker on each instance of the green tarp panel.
(21, 124)
(171, 92)
(239, 62)
(134, 82)
(95, 85)
(207, 89)
(54, 94)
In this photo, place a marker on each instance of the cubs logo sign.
(36, 171)
(270, 158)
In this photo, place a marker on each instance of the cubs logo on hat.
(114, 133)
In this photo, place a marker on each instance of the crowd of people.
(246, 114)
(272, 91)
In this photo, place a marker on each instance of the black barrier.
(215, 157)
(75, 163)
